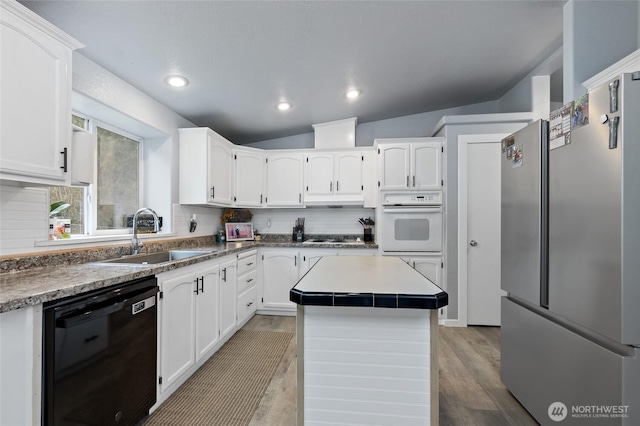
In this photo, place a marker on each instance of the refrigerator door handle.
(613, 96)
(613, 132)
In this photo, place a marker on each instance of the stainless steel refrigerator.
(571, 261)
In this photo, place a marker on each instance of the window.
(102, 208)
(118, 181)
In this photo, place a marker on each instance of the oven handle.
(405, 209)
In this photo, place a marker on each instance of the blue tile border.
(382, 300)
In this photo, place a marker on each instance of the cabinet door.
(35, 105)
(319, 175)
(177, 327)
(249, 179)
(348, 173)
(430, 267)
(394, 166)
(228, 305)
(280, 274)
(206, 318)
(284, 180)
(426, 166)
(309, 258)
(219, 171)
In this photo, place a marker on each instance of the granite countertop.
(48, 277)
(378, 282)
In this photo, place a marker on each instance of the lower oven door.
(411, 229)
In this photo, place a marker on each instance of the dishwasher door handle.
(88, 315)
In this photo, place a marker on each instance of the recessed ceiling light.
(283, 106)
(176, 81)
(353, 93)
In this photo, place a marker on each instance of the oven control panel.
(413, 199)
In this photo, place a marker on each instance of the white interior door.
(479, 228)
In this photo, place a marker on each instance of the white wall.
(408, 126)
(596, 34)
(318, 220)
(24, 218)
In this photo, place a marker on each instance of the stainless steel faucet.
(135, 242)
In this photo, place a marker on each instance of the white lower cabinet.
(280, 270)
(429, 266)
(247, 304)
(309, 258)
(228, 306)
(247, 301)
(189, 326)
(21, 366)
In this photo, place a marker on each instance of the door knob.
(473, 243)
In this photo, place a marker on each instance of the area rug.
(228, 388)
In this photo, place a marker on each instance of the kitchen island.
(367, 331)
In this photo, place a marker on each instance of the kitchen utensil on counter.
(368, 229)
(298, 230)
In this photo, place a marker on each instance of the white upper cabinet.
(410, 164)
(206, 176)
(284, 179)
(334, 177)
(426, 166)
(250, 178)
(35, 98)
(394, 166)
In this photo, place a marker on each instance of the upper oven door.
(411, 229)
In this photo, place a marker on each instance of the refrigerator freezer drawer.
(543, 363)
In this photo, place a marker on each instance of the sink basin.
(154, 258)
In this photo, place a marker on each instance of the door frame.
(463, 142)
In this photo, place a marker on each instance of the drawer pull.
(250, 263)
(249, 280)
(249, 304)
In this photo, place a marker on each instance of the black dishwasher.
(99, 363)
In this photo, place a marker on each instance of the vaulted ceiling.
(242, 57)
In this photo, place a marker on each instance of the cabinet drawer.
(247, 280)
(246, 264)
(247, 302)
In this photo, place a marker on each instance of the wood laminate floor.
(471, 392)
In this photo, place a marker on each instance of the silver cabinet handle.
(407, 181)
(473, 243)
(337, 186)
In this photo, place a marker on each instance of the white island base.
(360, 365)
(367, 330)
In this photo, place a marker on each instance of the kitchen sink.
(154, 258)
